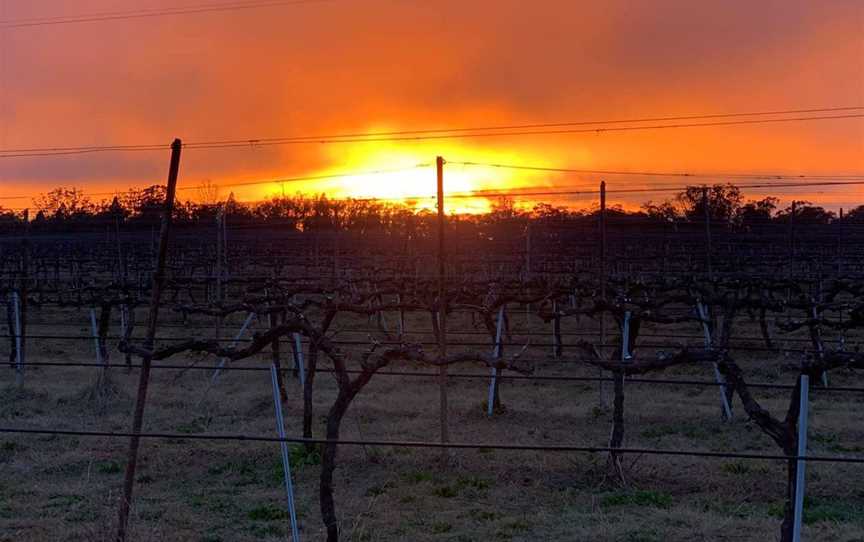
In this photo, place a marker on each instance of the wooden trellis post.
(603, 271)
(144, 380)
(556, 332)
(706, 205)
(19, 348)
(442, 308)
(22, 297)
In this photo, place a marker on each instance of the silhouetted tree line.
(70, 209)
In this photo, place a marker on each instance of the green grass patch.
(654, 499)
(441, 527)
(643, 535)
(300, 455)
(743, 468)
(109, 467)
(512, 528)
(472, 482)
(266, 531)
(470, 485)
(191, 428)
(63, 501)
(267, 512)
(418, 477)
(483, 515)
(833, 443)
(446, 492)
(818, 510)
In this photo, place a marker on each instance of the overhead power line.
(521, 191)
(465, 134)
(590, 191)
(546, 125)
(154, 12)
(765, 176)
(460, 132)
(276, 181)
(529, 191)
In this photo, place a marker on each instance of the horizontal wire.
(348, 342)
(147, 13)
(523, 126)
(450, 445)
(255, 183)
(516, 192)
(454, 133)
(658, 173)
(524, 133)
(501, 374)
(480, 194)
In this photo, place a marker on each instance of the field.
(188, 487)
(65, 488)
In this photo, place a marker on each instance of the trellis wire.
(559, 378)
(452, 445)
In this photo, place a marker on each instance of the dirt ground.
(55, 488)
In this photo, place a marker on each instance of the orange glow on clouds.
(379, 65)
(405, 172)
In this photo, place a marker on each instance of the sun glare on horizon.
(405, 173)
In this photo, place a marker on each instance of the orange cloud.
(369, 65)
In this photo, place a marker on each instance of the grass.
(441, 527)
(267, 512)
(639, 498)
(301, 456)
(63, 488)
(817, 510)
(740, 467)
(109, 467)
(462, 486)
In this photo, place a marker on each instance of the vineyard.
(531, 380)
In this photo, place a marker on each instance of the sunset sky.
(360, 66)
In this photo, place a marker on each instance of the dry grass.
(63, 488)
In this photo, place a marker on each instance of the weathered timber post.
(557, 348)
(442, 308)
(23, 287)
(603, 271)
(707, 209)
(144, 379)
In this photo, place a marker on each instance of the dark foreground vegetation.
(546, 329)
(70, 209)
